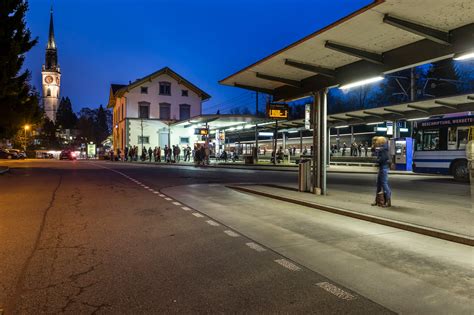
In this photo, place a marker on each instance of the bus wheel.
(460, 171)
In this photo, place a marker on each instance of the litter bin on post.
(248, 159)
(304, 175)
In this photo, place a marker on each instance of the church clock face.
(48, 79)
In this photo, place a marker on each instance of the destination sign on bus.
(277, 111)
(448, 121)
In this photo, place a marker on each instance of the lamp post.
(26, 128)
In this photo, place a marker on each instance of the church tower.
(51, 75)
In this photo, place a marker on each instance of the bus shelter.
(381, 38)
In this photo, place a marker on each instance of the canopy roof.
(403, 111)
(383, 37)
(220, 121)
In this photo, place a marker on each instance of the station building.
(145, 110)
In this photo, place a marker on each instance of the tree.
(444, 79)
(18, 100)
(66, 118)
(102, 128)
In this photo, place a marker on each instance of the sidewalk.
(449, 221)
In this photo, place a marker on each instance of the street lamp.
(26, 128)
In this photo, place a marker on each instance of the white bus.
(440, 146)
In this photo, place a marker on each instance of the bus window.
(419, 140)
(462, 137)
(452, 138)
(430, 140)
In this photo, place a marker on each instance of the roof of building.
(382, 37)
(118, 90)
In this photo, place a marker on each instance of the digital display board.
(277, 111)
(201, 131)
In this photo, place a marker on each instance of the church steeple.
(51, 42)
(51, 60)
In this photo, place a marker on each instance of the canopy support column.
(323, 140)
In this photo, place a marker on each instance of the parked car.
(67, 155)
(19, 153)
(5, 154)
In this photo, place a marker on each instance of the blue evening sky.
(115, 41)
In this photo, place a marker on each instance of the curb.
(268, 168)
(3, 170)
(452, 237)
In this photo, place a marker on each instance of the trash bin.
(248, 159)
(304, 175)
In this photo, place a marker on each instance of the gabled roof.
(118, 90)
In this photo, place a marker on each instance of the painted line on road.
(287, 264)
(161, 195)
(155, 192)
(340, 293)
(169, 199)
(255, 246)
(186, 208)
(213, 223)
(198, 215)
(231, 233)
(176, 203)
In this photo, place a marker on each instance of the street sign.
(277, 111)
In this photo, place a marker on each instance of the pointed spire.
(51, 42)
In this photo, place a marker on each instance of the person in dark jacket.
(383, 162)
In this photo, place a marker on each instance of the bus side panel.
(437, 162)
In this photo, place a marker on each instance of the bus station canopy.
(219, 121)
(402, 111)
(381, 38)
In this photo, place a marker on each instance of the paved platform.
(448, 220)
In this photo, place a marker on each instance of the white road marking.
(146, 187)
(155, 192)
(231, 233)
(213, 223)
(176, 203)
(197, 215)
(288, 265)
(331, 288)
(161, 195)
(255, 246)
(186, 208)
(169, 199)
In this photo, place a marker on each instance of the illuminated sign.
(201, 131)
(277, 111)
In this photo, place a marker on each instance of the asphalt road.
(97, 237)
(80, 237)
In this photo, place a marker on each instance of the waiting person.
(359, 148)
(187, 153)
(280, 155)
(383, 162)
(125, 154)
(143, 157)
(344, 147)
(366, 148)
(305, 151)
(150, 153)
(119, 156)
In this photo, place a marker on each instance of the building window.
(144, 110)
(48, 93)
(143, 140)
(183, 140)
(184, 111)
(144, 89)
(184, 92)
(165, 88)
(165, 111)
